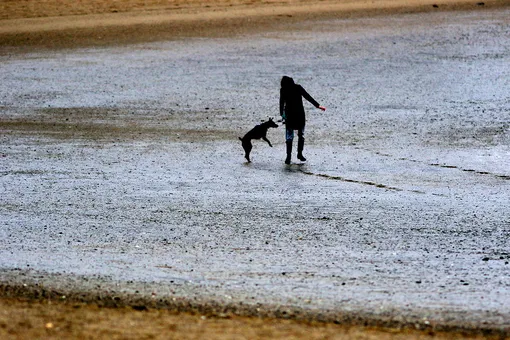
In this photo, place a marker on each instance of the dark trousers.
(289, 134)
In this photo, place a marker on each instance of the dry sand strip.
(67, 24)
(63, 310)
(60, 317)
(50, 319)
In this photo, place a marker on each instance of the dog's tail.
(240, 139)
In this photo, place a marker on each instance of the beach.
(61, 24)
(125, 192)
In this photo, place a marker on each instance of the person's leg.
(289, 137)
(301, 144)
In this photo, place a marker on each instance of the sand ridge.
(61, 24)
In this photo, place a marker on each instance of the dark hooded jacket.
(291, 103)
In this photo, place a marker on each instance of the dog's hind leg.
(247, 149)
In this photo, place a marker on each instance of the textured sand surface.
(66, 23)
(122, 177)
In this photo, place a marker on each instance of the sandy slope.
(67, 23)
(21, 319)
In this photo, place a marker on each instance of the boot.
(301, 145)
(289, 152)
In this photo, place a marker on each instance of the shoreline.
(38, 287)
(214, 19)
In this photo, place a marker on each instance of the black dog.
(258, 132)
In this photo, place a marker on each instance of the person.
(293, 113)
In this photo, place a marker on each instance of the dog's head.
(271, 123)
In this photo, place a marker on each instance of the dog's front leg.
(267, 140)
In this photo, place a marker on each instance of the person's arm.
(311, 100)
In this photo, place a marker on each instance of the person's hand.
(322, 108)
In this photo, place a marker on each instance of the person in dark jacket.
(293, 112)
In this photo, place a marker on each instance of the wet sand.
(124, 183)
